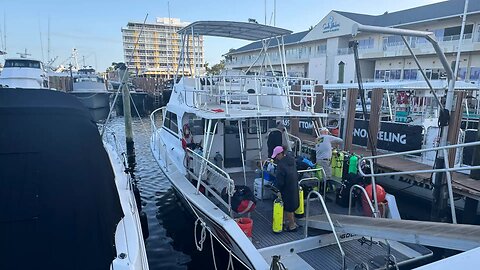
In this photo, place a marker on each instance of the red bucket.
(246, 224)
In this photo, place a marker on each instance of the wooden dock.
(462, 184)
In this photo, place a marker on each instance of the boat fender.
(277, 221)
(136, 194)
(144, 223)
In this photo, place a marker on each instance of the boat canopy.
(230, 29)
(60, 205)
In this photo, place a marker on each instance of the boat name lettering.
(347, 235)
(382, 136)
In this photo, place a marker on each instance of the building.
(158, 50)
(323, 52)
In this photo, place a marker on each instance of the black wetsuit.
(287, 183)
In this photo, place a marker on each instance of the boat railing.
(327, 214)
(374, 214)
(447, 169)
(254, 90)
(313, 174)
(211, 177)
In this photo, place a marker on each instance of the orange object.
(246, 224)
(381, 197)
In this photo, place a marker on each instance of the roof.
(58, 195)
(288, 39)
(230, 29)
(444, 9)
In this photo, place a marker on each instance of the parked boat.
(65, 192)
(231, 116)
(23, 72)
(92, 92)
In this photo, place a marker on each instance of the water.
(171, 243)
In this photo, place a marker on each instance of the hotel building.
(158, 50)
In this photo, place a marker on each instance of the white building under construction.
(153, 49)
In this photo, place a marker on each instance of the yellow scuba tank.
(334, 162)
(339, 166)
(277, 223)
(301, 209)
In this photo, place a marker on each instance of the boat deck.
(262, 234)
(462, 184)
(323, 256)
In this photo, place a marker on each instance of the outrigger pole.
(442, 186)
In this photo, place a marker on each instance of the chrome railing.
(211, 177)
(315, 171)
(246, 89)
(447, 170)
(375, 214)
(327, 214)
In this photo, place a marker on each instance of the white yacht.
(23, 72)
(229, 118)
(92, 90)
(69, 204)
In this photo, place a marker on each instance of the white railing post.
(449, 185)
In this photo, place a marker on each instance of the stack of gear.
(243, 200)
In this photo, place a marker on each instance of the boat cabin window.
(252, 126)
(197, 126)
(171, 122)
(20, 63)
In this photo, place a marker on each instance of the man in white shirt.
(323, 150)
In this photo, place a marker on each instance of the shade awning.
(230, 29)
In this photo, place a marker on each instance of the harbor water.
(171, 243)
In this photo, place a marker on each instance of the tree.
(215, 69)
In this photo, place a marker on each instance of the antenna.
(274, 12)
(265, 12)
(24, 54)
(48, 41)
(41, 40)
(169, 39)
(4, 32)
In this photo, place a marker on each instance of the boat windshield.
(19, 63)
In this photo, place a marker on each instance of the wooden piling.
(352, 95)
(374, 122)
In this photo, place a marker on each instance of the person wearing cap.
(287, 183)
(275, 137)
(323, 150)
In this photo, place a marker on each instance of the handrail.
(152, 117)
(374, 213)
(446, 170)
(370, 158)
(229, 181)
(329, 221)
(323, 174)
(299, 149)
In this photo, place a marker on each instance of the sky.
(93, 27)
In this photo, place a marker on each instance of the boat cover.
(59, 203)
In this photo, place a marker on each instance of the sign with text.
(396, 137)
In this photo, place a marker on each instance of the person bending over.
(287, 183)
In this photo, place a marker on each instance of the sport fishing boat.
(212, 145)
(91, 89)
(64, 190)
(23, 72)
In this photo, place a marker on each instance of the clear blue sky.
(93, 27)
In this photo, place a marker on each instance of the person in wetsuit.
(287, 183)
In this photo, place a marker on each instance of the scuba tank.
(353, 166)
(339, 167)
(334, 162)
(301, 208)
(277, 223)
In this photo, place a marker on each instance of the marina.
(354, 144)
